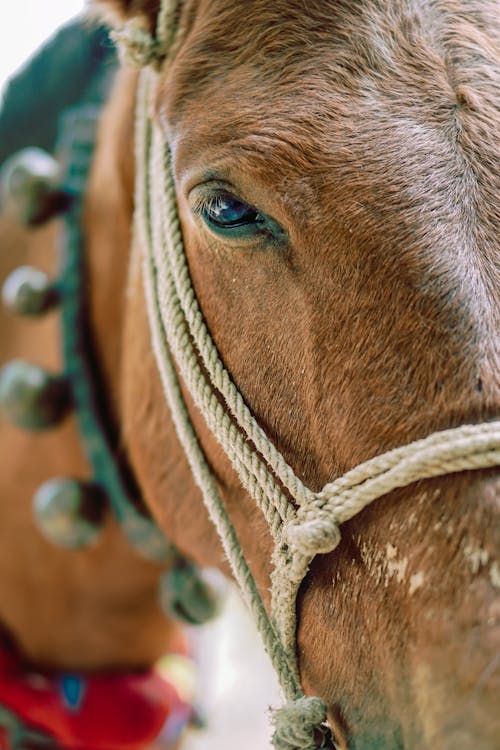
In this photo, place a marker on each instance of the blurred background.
(236, 684)
(25, 24)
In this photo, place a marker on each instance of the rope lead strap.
(303, 728)
(179, 335)
(161, 338)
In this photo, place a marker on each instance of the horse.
(334, 168)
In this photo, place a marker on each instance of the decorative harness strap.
(180, 338)
(71, 512)
(34, 399)
(123, 710)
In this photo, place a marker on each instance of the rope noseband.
(180, 336)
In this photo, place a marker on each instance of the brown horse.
(335, 172)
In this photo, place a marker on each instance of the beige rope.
(298, 725)
(177, 406)
(315, 529)
(253, 472)
(136, 46)
(179, 334)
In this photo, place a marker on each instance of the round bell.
(30, 187)
(28, 291)
(146, 537)
(188, 595)
(32, 398)
(69, 513)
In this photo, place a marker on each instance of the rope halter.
(179, 335)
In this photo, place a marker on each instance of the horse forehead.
(337, 44)
(291, 77)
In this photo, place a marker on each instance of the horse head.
(334, 167)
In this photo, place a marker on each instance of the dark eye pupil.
(228, 211)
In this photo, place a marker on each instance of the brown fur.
(367, 129)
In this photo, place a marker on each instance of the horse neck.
(108, 218)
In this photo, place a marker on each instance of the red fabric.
(101, 712)
(4, 740)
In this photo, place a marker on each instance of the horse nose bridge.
(456, 659)
(456, 688)
(488, 369)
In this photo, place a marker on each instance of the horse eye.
(226, 211)
(230, 217)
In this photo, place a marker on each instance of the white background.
(24, 24)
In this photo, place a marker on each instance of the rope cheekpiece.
(136, 46)
(179, 335)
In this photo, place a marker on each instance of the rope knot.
(137, 47)
(300, 726)
(315, 532)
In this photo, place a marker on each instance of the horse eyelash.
(203, 204)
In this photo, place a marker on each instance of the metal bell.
(185, 593)
(148, 540)
(69, 513)
(30, 189)
(28, 291)
(32, 398)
